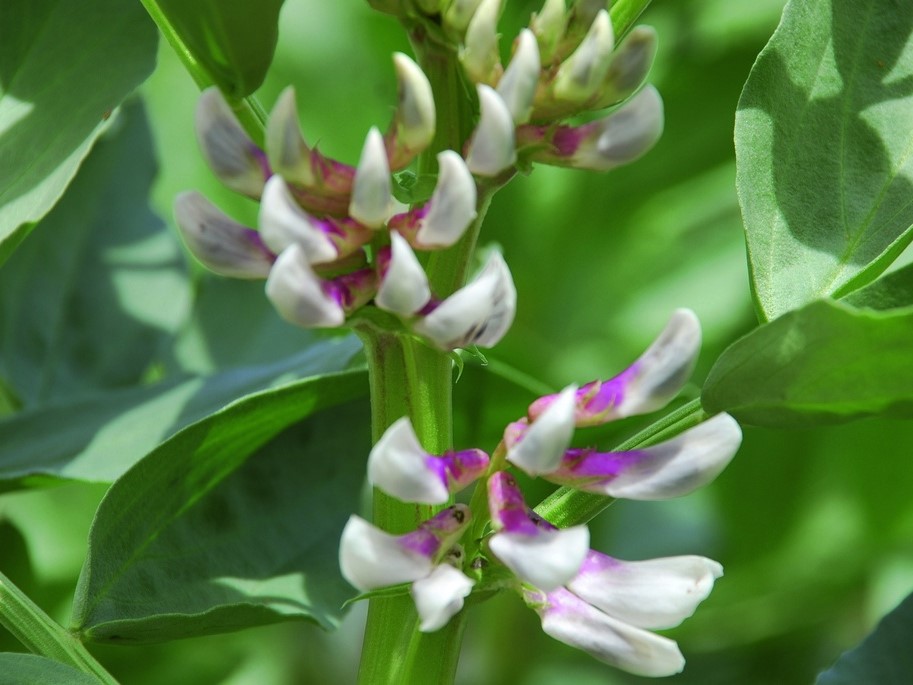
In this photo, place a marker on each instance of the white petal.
(492, 148)
(460, 12)
(370, 558)
(453, 204)
(372, 198)
(416, 104)
(439, 596)
(576, 623)
(479, 313)
(545, 441)
(626, 134)
(398, 466)
(580, 75)
(404, 289)
(288, 153)
(517, 86)
(681, 465)
(220, 242)
(479, 54)
(658, 593)
(297, 292)
(283, 222)
(231, 154)
(665, 366)
(548, 559)
(548, 25)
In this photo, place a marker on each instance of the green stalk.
(43, 635)
(569, 507)
(624, 13)
(248, 110)
(409, 378)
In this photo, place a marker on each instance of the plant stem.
(248, 110)
(42, 635)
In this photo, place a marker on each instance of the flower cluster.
(331, 237)
(602, 605)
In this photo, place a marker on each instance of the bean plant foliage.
(179, 460)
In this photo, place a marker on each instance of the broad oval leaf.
(883, 658)
(31, 669)
(90, 301)
(98, 438)
(823, 145)
(64, 66)
(270, 518)
(233, 39)
(826, 362)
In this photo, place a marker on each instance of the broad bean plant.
(414, 354)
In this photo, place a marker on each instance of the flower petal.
(580, 75)
(220, 242)
(414, 121)
(283, 222)
(404, 288)
(298, 293)
(439, 596)
(372, 198)
(288, 154)
(458, 15)
(658, 593)
(543, 444)
(479, 54)
(452, 206)
(231, 154)
(517, 86)
(548, 559)
(571, 620)
(370, 558)
(492, 148)
(670, 469)
(399, 466)
(480, 313)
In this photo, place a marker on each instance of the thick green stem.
(42, 635)
(248, 110)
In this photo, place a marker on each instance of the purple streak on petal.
(430, 307)
(351, 290)
(610, 393)
(382, 261)
(567, 139)
(598, 563)
(514, 432)
(262, 160)
(461, 468)
(422, 541)
(505, 502)
(587, 466)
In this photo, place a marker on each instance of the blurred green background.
(813, 527)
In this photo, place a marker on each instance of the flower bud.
(540, 448)
(492, 148)
(580, 75)
(479, 54)
(413, 125)
(372, 198)
(404, 287)
(517, 86)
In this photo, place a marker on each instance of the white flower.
(283, 222)
(370, 558)
(517, 86)
(372, 198)
(547, 558)
(452, 206)
(543, 444)
(439, 596)
(298, 293)
(492, 148)
(580, 75)
(404, 288)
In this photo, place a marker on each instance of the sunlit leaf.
(823, 131)
(210, 533)
(92, 297)
(826, 362)
(64, 66)
(883, 658)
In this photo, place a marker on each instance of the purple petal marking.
(440, 531)
(351, 290)
(459, 469)
(262, 160)
(594, 400)
(421, 541)
(586, 466)
(508, 510)
(597, 562)
(567, 139)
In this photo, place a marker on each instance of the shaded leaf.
(64, 67)
(234, 39)
(91, 298)
(891, 291)
(31, 669)
(825, 362)
(99, 438)
(825, 174)
(883, 658)
(270, 518)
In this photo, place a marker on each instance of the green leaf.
(99, 438)
(30, 669)
(412, 189)
(270, 518)
(891, 291)
(883, 658)
(233, 39)
(64, 67)
(826, 362)
(823, 140)
(92, 298)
